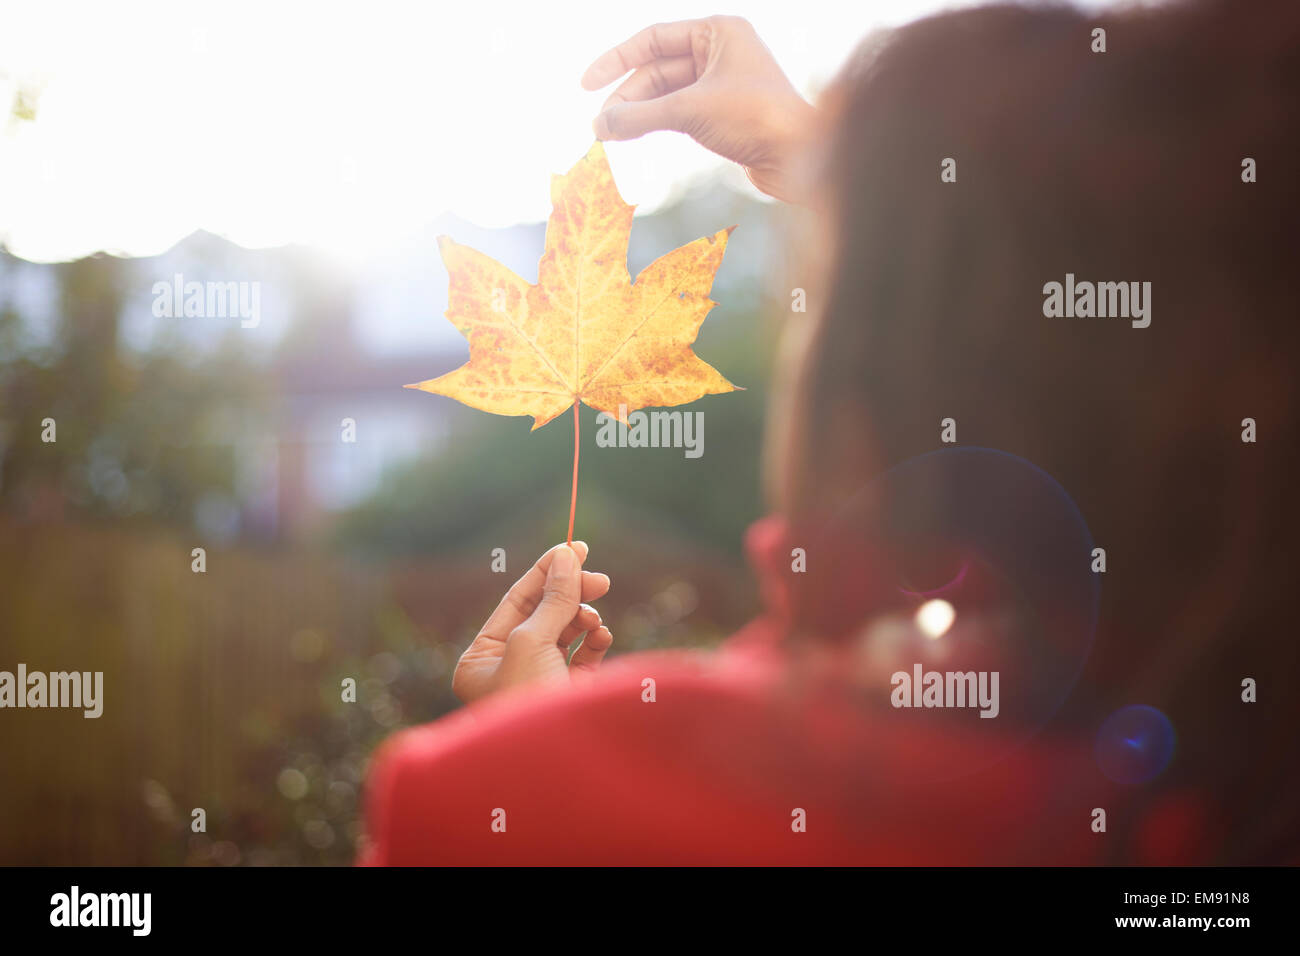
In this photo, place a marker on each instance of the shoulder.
(433, 789)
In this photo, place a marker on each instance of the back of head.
(982, 156)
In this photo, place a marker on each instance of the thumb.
(560, 596)
(630, 120)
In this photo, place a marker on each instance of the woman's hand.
(528, 637)
(716, 81)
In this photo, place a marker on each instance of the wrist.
(783, 171)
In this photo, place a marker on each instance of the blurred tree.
(137, 434)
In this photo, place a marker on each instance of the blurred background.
(319, 152)
(325, 559)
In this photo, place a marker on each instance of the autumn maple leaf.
(585, 333)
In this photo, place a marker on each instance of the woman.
(959, 167)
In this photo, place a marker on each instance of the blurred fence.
(222, 690)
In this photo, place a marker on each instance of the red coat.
(734, 761)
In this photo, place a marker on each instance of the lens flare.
(1135, 744)
(1014, 550)
(935, 617)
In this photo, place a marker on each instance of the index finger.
(660, 40)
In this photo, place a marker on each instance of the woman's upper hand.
(528, 637)
(716, 81)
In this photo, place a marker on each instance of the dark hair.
(1125, 165)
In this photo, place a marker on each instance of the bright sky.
(342, 126)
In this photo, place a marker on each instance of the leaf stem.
(573, 500)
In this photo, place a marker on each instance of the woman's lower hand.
(528, 638)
